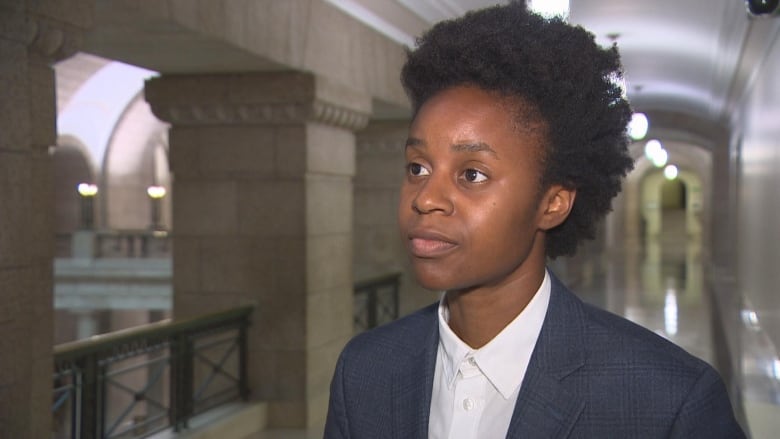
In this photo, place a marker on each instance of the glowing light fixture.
(661, 158)
(670, 172)
(156, 192)
(87, 189)
(550, 8)
(656, 153)
(637, 128)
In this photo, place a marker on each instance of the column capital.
(48, 32)
(272, 98)
(53, 40)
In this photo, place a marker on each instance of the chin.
(436, 281)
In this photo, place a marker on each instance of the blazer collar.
(545, 408)
(413, 381)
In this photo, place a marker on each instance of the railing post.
(90, 402)
(243, 358)
(181, 382)
(372, 306)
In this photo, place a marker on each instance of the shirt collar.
(504, 359)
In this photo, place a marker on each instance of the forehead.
(469, 113)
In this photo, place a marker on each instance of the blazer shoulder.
(404, 336)
(620, 339)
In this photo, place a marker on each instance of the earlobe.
(558, 202)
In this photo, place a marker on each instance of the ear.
(555, 206)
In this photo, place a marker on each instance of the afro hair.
(569, 82)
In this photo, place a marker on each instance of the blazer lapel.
(545, 407)
(413, 384)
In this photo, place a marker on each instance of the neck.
(478, 314)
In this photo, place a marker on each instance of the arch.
(653, 203)
(95, 108)
(136, 158)
(695, 163)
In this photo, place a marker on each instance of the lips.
(430, 244)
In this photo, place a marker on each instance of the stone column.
(378, 247)
(33, 35)
(262, 167)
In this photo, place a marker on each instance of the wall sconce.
(156, 194)
(87, 192)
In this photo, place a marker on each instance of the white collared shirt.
(475, 385)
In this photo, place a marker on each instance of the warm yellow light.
(87, 189)
(156, 192)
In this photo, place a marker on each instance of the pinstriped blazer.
(592, 375)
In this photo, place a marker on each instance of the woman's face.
(471, 211)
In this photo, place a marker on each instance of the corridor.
(659, 283)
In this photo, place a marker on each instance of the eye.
(417, 170)
(474, 176)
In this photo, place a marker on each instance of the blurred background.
(197, 204)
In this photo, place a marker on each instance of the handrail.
(114, 243)
(376, 301)
(175, 369)
(384, 279)
(114, 385)
(158, 329)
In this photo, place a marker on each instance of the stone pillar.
(378, 247)
(33, 35)
(86, 323)
(262, 167)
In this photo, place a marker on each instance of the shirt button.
(468, 404)
(472, 361)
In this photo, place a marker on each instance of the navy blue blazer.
(592, 375)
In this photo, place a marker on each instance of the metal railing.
(117, 244)
(376, 301)
(140, 381)
(132, 244)
(136, 382)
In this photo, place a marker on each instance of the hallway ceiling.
(692, 57)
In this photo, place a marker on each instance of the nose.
(433, 195)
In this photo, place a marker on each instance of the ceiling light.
(638, 126)
(660, 158)
(652, 147)
(550, 8)
(656, 153)
(670, 172)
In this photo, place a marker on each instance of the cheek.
(504, 227)
(404, 204)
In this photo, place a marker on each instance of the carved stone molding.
(259, 98)
(330, 114)
(52, 40)
(257, 114)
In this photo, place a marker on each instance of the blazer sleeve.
(336, 426)
(707, 412)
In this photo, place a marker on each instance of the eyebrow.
(457, 147)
